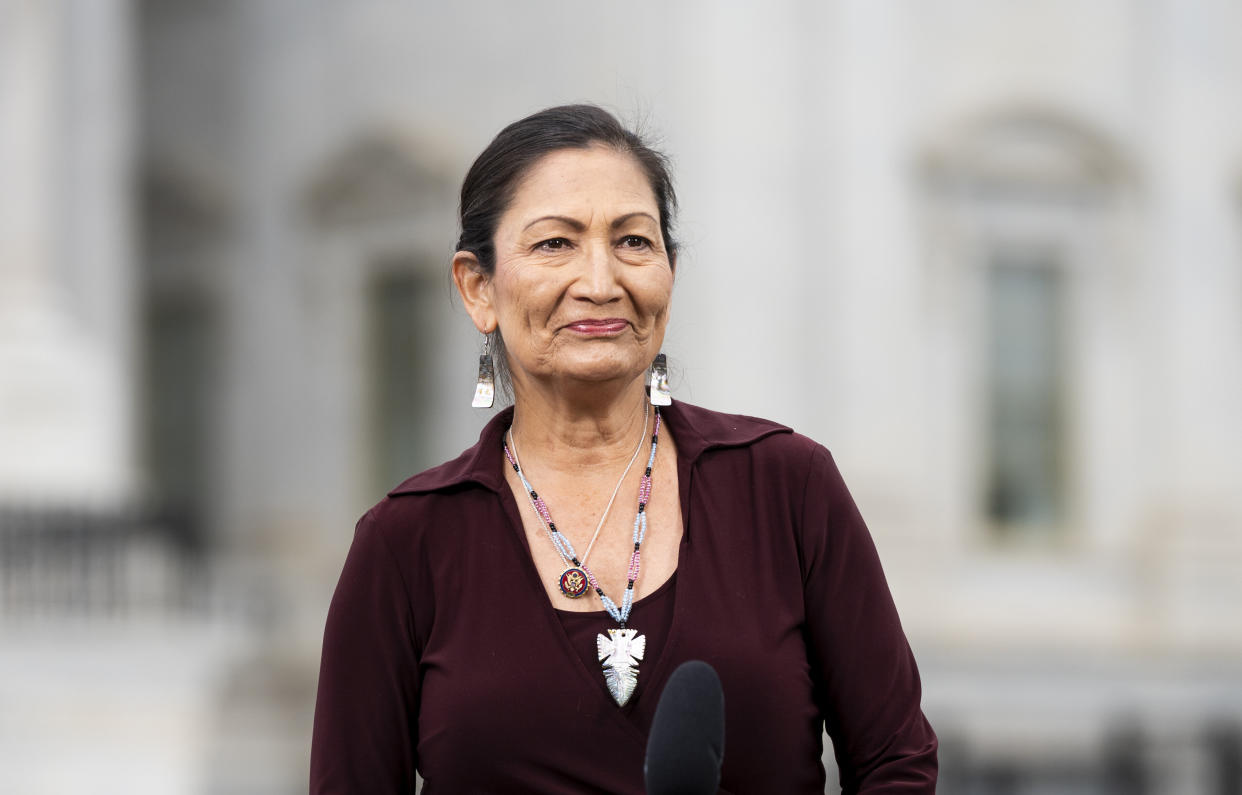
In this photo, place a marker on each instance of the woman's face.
(582, 283)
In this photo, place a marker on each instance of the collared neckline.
(696, 430)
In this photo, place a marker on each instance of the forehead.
(584, 180)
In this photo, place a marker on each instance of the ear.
(474, 286)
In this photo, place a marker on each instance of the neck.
(562, 433)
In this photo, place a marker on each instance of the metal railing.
(72, 562)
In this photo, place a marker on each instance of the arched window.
(383, 230)
(1021, 216)
(183, 222)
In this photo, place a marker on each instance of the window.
(179, 338)
(402, 305)
(1024, 369)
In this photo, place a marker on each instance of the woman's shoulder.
(445, 495)
(700, 430)
(478, 465)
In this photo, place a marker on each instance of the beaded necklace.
(573, 581)
(623, 648)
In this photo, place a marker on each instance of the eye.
(635, 242)
(553, 244)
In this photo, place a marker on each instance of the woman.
(506, 621)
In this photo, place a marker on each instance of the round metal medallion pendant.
(573, 582)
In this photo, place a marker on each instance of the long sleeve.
(366, 714)
(866, 681)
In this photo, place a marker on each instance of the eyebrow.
(577, 225)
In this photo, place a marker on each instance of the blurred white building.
(989, 253)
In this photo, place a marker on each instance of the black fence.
(1132, 763)
(98, 563)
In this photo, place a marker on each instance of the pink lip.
(598, 328)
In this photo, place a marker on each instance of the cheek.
(657, 297)
(525, 302)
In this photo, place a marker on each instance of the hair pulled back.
(490, 184)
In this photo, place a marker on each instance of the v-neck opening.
(551, 615)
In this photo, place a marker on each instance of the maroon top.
(443, 654)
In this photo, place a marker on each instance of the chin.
(598, 370)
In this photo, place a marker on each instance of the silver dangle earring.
(485, 389)
(659, 393)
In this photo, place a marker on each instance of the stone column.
(1196, 528)
(66, 286)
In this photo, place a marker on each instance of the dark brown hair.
(492, 180)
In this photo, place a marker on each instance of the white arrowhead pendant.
(620, 653)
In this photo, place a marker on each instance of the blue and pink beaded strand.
(566, 549)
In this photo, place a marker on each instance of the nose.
(598, 280)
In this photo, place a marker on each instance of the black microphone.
(686, 745)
